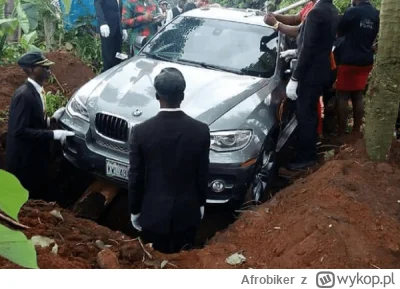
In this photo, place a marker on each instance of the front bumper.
(234, 177)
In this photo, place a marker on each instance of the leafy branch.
(14, 245)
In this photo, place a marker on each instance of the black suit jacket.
(359, 28)
(168, 176)
(315, 42)
(175, 12)
(28, 139)
(110, 13)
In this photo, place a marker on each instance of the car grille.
(112, 127)
(112, 146)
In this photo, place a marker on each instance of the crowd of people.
(169, 153)
(126, 21)
(332, 50)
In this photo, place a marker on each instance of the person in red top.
(297, 19)
(290, 25)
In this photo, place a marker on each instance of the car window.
(245, 48)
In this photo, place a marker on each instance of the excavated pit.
(73, 183)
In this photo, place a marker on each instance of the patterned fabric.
(133, 20)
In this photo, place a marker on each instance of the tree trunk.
(8, 11)
(382, 100)
(49, 31)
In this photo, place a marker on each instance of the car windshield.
(217, 44)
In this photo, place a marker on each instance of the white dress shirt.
(171, 109)
(39, 89)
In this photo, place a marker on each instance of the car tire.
(264, 173)
(252, 197)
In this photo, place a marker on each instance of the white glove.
(288, 54)
(202, 212)
(124, 35)
(105, 30)
(58, 114)
(135, 222)
(291, 89)
(62, 135)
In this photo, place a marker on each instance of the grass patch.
(54, 101)
(3, 116)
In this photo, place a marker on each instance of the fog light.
(217, 186)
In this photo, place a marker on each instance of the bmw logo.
(137, 112)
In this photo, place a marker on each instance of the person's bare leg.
(358, 110)
(342, 98)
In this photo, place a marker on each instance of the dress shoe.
(297, 166)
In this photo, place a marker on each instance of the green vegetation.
(3, 116)
(276, 4)
(54, 101)
(14, 245)
(39, 25)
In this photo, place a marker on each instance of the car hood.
(128, 90)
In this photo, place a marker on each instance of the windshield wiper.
(211, 66)
(157, 56)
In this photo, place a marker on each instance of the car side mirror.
(267, 39)
(140, 41)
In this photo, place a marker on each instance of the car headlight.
(76, 108)
(231, 140)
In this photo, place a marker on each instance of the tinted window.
(245, 48)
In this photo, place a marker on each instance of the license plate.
(117, 170)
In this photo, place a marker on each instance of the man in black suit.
(193, 5)
(311, 75)
(168, 177)
(29, 136)
(176, 11)
(108, 13)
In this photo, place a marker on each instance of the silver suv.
(235, 84)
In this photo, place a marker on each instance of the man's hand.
(289, 54)
(58, 114)
(148, 17)
(124, 35)
(104, 30)
(270, 19)
(135, 222)
(291, 89)
(62, 135)
(202, 212)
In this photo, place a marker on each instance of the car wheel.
(264, 174)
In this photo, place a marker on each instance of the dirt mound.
(346, 215)
(70, 72)
(79, 241)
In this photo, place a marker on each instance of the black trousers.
(307, 117)
(37, 185)
(109, 47)
(328, 93)
(173, 242)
